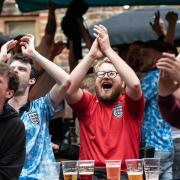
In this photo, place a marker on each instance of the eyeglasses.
(110, 74)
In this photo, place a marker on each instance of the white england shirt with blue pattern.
(38, 142)
(156, 131)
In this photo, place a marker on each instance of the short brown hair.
(26, 60)
(13, 80)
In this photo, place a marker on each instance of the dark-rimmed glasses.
(110, 74)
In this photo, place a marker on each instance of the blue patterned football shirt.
(36, 116)
(156, 132)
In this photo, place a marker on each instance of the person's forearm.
(85, 34)
(170, 33)
(56, 72)
(79, 72)
(126, 73)
(161, 33)
(51, 23)
(170, 110)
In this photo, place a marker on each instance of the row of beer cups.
(84, 169)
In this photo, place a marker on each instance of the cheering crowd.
(135, 104)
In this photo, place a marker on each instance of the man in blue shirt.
(156, 132)
(36, 114)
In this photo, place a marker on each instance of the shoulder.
(41, 101)
(152, 74)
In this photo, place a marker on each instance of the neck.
(1, 109)
(17, 101)
(2, 103)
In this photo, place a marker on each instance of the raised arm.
(57, 73)
(133, 88)
(171, 17)
(79, 73)
(85, 33)
(158, 25)
(50, 29)
(169, 84)
(169, 79)
(170, 110)
(47, 41)
(5, 48)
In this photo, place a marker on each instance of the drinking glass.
(152, 168)
(51, 170)
(70, 170)
(113, 169)
(134, 169)
(86, 169)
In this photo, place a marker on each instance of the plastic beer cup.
(134, 169)
(152, 168)
(70, 170)
(51, 170)
(113, 169)
(86, 169)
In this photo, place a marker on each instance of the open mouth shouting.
(106, 85)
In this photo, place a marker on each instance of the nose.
(15, 69)
(106, 75)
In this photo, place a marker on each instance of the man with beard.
(110, 121)
(36, 114)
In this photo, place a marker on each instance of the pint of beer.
(135, 175)
(70, 170)
(70, 175)
(134, 169)
(113, 169)
(86, 169)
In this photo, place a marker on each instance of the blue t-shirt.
(156, 131)
(36, 116)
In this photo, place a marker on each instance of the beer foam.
(86, 165)
(134, 173)
(85, 173)
(70, 173)
(113, 165)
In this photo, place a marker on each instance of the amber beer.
(135, 175)
(70, 176)
(113, 172)
(70, 170)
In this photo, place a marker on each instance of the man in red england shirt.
(110, 121)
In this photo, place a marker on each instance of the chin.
(108, 97)
(107, 100)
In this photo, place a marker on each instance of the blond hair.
(98, 63)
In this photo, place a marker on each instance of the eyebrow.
(19, 67)
(107, 71)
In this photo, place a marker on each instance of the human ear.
(9, 94)
(32, 81)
